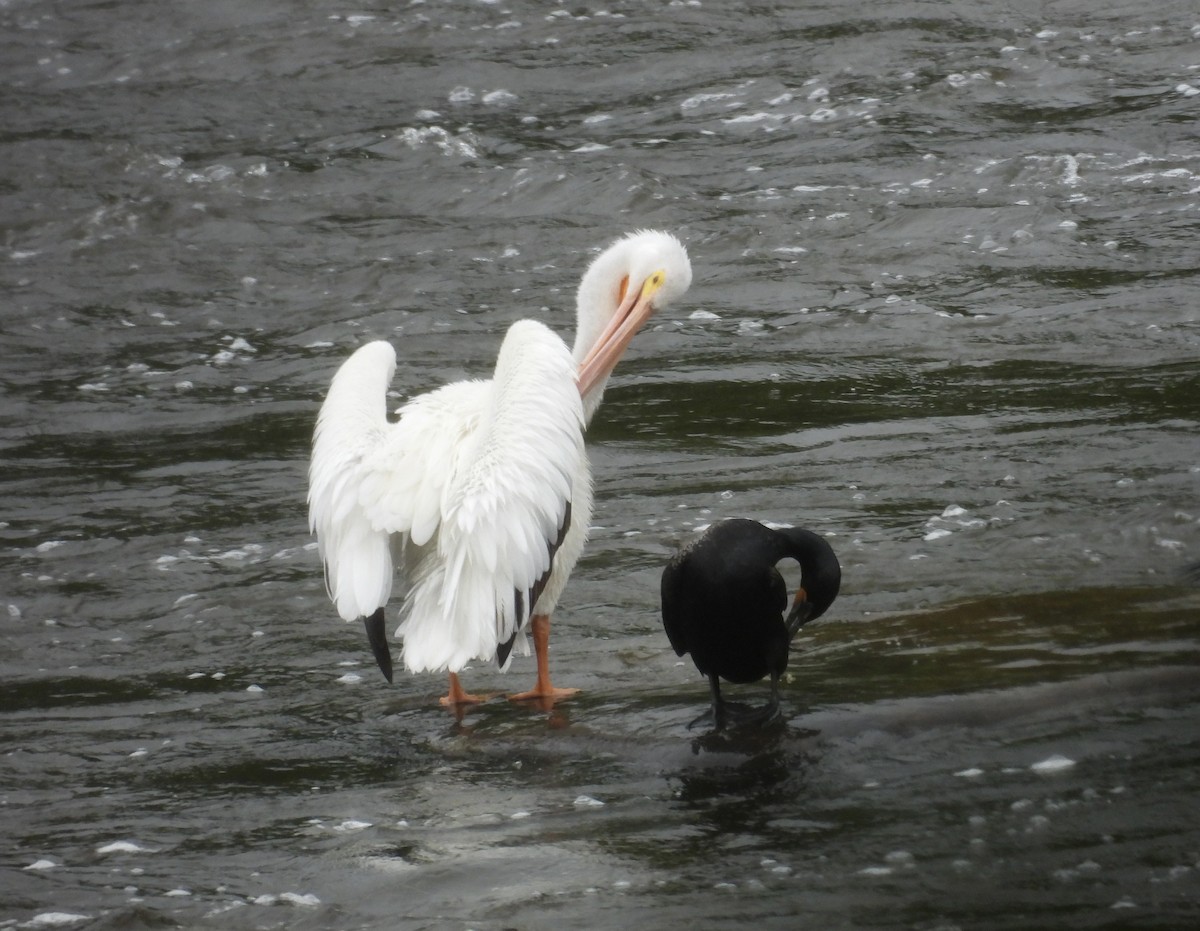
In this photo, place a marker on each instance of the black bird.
(723, 601)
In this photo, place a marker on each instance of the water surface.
(945, 312)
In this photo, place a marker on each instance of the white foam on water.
(307, 900)
(1037, 823)
(222, 909)
(1056, 763)
(698, 100)
(416, 138)
(123, 846)
(752, 118)
(54, 919)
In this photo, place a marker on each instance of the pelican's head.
(624, 285)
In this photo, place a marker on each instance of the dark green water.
(945, 312)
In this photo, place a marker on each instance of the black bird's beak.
(802, 610)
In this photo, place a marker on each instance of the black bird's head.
(820, 577)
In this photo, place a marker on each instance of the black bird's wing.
(674, 614)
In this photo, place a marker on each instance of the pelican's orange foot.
(465, 698)
(460, 696)
(544, 695)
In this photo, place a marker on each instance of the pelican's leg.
(544, 690)
(458, 695)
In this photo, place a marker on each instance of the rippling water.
(945, 312)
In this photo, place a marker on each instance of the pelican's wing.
(370, 478)
(404, 479)
(352, 424)
(503, 508)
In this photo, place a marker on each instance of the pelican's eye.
(654, 282)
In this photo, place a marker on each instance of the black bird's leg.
(716, 714)
(718, 706)
(772, 709)
(725, 713)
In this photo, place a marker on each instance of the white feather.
(501, 507)
(351, 425)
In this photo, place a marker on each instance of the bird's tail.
(453, 617)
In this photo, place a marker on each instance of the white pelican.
(481, 492)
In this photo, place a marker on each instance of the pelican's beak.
(635, 308)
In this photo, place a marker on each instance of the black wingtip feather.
(520, 602)
(504, 649)
(377, 637)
